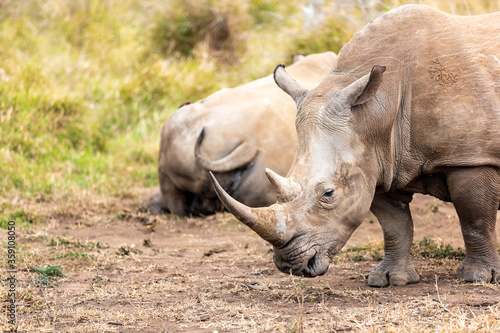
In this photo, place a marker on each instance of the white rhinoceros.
(412, 106)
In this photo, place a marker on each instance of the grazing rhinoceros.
(412, 106)
(234, 133)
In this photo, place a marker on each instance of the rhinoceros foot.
(476, 271)
(155, 205)
(392, 273)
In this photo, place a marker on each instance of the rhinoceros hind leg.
(475, 193)
(393, 212)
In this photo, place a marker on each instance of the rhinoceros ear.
(363, 89)
(288, 84)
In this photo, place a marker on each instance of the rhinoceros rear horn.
(288, 84)
(261, 220)
(286, 189)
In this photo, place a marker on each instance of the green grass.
(425, 248)
(72, 255)
(20, 217)
(47, 274)
(85, 86)
(330, 35)
(429, 248)
(372, 251)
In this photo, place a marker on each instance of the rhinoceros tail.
(242, 155)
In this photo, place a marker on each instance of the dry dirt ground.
(214, 275)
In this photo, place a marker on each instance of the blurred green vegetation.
(47, 275)
(21, 218)
(85, 85)
(425, 248)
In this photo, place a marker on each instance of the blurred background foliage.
(85, 85)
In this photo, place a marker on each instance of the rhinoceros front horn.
(286, 189)
(261, 220)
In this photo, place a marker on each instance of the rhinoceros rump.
(412, 106)
(234, 133)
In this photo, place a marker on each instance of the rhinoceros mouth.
(311, 264)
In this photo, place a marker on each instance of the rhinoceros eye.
(328, 193)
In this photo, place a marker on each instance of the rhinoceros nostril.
(316, 266)
(311, 263)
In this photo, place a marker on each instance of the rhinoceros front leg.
(175, 200)
(475, 193)
(393, 212)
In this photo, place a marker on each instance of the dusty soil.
(214, 275)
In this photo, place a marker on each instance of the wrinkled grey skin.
(412, 106)
(244, 129)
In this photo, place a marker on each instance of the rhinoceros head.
(330, 186)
